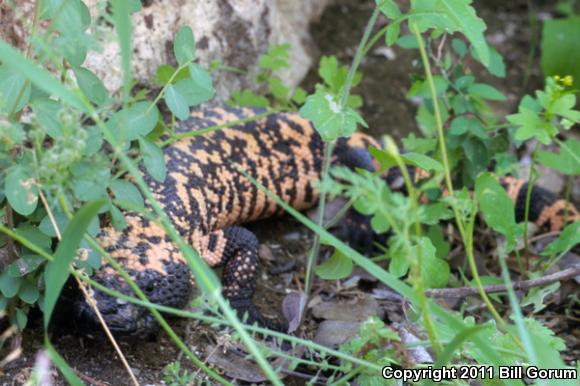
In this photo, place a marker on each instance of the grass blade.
(12, 58)
(61, 364)
(456, 342)
(57, 271)
(123, 26)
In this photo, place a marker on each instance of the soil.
(386, 79)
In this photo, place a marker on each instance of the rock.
(548, 178)
(236, 32)
(356, 309)
(333, 333)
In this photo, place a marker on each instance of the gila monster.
(207, 198)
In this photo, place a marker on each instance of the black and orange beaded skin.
(206, 198)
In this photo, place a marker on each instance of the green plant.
(278, 95)
(75, 130)
(176, 376)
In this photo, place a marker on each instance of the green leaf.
(389, 8)
(9, 285)
(422, 161)
(498, 209)
(330, 120)
(71, 17)
(569, 238)
(163, 74)
(14, 90)
(184, 46)
(28, 292)
(415, 144)
(452, 16)
(399, 265)
(57, 271)
(336, 267)
(379, 223)
(408, 42)
(117, 218)
(435, 271)
(277, 88)
(276, 58)
(530, 125)
(461, 125)
(459, 47)
(299, 95)
(126, 191)
(496, 64)
(334, 75)
(35, 235)
(47, 112)
(91, 180)
(476, 153)
(94, 141)
(393, 32)
(437, 237)
(153, 159)
(198, 88)
(25, 265)
(433, 213)
(537, 296)
(486, 91)
(247, 98)
(176, 101)
(560, 48)
(91, 86)
(73, 47)
(567, 162)
(21, 319)
(138, 120)
(21, 190)
(463, 82)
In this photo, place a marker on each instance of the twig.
(521, 285)
(89, 379)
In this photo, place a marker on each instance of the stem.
(358, 57)
(467, 242)
(313, 255)
(531, 180)
(525, 343)
(416, 265)
(176, 137)
(35, 21)
(475, 273)
(330, 223)
(173, 76)
(439, 123)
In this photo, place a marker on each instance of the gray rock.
(333, 333)
(236, 32)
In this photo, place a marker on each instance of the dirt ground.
(387, 110)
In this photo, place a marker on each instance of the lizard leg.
(236, 248)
